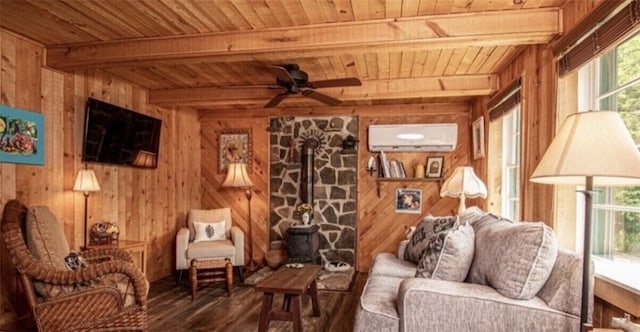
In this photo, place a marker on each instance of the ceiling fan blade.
(282, 73)
(350, 81)
(257, 86)
(276, 100)
(321, 97)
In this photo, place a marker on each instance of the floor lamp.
(86, 182)
(237, 177)
(591, 148)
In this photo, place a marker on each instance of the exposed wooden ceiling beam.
(442, 31)
(448, 86)
(368, 110)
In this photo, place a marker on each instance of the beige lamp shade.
(591, 144)
(237, 176)
(463, 183)
(86, 181)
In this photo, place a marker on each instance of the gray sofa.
(393, 299)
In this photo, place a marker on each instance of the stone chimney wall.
(335, 182)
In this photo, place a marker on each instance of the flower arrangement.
(305, 208)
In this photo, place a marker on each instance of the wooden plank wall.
(536, 67)
(148, 205)
(215, 196)
(379, 228)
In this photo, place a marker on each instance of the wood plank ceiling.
(189, 52)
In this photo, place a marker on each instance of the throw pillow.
(428, 232)
(515, 258)
(471, 215)
(73, 261)
(209, 231)
(449, 254)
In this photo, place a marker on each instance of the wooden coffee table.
(293, 283)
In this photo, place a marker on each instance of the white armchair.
(231, 245)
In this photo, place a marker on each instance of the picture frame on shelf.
(234, 146)
(434, 167)
(409, 201)
(478, 138)
(21, 136)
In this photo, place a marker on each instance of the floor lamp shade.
(463, 183)
(86, 182)
(596, 144)
(237, 176)
(591, 148)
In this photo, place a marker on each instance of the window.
(511, 164)
(503, 173)
(612, 82)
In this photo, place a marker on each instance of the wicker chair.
(96, 307)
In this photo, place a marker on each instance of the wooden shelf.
(410, 180)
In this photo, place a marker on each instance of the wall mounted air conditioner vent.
(442, 137)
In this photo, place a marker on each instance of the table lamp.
(463, 183)
(237, 177)
(591, 148)
(86, 182)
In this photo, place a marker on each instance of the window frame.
(598, 90)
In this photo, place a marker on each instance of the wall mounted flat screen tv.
(115, 135)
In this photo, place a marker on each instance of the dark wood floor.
(171, 308)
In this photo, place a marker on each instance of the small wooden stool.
(208, 271)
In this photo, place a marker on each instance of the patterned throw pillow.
(73, 261)
(449, 254)
(429, 232)
(209, 231)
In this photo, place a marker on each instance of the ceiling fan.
(293, 80)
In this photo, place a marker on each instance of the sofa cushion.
(449, 254)
(515, 258)
(48, 244)
(45, 237)
(471, 215)
(563, 289)
(378, 309)
(429, 232)
(387, 264)
(209, 249)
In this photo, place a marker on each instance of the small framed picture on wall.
(409, 201)
(234, 146)
(434, 167)
(478, 138)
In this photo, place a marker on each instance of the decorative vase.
(306, 217)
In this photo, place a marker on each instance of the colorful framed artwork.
(21, 136)
(409, 201)
(478, 138)
(434, 167)
(234, 146)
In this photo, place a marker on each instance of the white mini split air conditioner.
(442, 137)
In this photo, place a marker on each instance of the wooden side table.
(137, 250)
